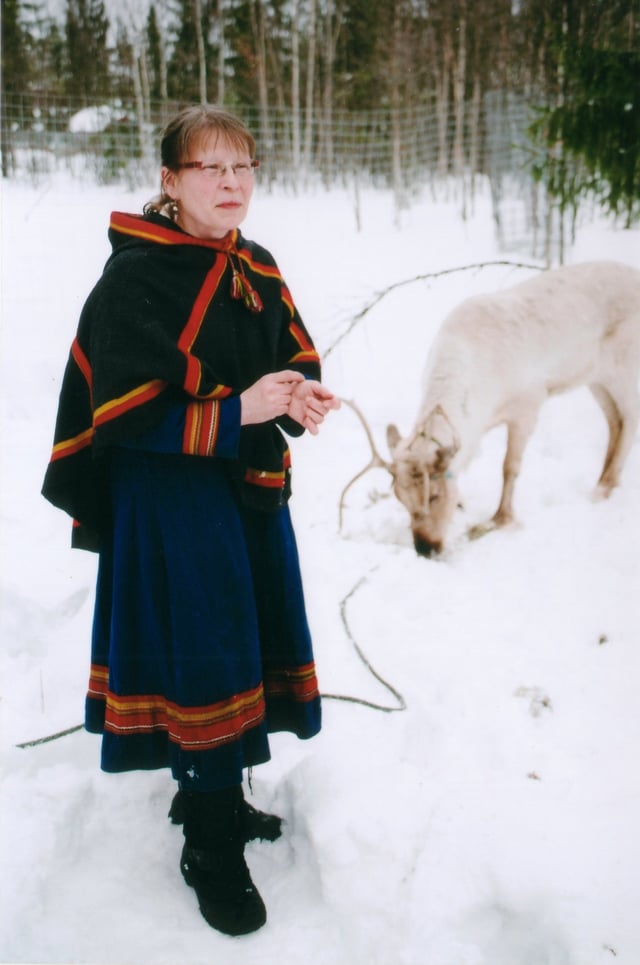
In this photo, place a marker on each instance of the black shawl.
(172, 318)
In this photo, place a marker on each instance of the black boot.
(256, 825)
(213, 862)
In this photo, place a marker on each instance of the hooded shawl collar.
(173, 318)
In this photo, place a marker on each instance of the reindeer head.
(422, 480)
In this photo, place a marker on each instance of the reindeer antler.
(376, 461)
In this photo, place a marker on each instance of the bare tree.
(398, 58)
(459, 83)
(202, 59)
(220, 12)
(295, 86)
(257, 19)
(440, 53)
(333, 15)
(309, 87)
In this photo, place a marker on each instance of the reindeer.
(495, 360)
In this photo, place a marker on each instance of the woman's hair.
(190, 126)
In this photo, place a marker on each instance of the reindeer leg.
(518, 432)
(621, 407)
(614, 423)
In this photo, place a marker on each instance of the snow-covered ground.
(492, 822)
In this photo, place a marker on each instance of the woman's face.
(211, 202)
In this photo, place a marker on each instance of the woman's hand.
(269, 397)
(310, 403)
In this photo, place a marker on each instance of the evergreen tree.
(598, 127)
(590, 133)
(363, 55)
(15, 75)
(183, 76)
(154, 47)
(241, 60)
(49, 59)
(88, 68)
(15, 66)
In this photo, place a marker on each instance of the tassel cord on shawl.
(241, 288)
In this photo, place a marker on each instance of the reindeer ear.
(441, 431)
(443, 458)
(393, 437)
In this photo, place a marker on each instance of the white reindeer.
(495, 360)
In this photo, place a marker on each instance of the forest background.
(540, 97)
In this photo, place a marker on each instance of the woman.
(190, 358)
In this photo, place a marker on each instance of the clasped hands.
(287, 393)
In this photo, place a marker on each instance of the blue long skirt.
(200, 643)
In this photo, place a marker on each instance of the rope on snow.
(401, 703)
(51, 737)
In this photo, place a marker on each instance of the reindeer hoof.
(481, 529)
(602, 491)
(497, 522)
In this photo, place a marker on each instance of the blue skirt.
(200, 643)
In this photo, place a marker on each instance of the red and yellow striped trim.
(68, 447)
(288, 300)
(202, 423)
(307, 351)
(200, 728)
(269, 480)
(130, 400)
(98, 680)
(267, 271)
(136, 226)
(299, 683)
(82, 362)
(193, 377)
(193, 728)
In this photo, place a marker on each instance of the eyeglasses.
(242, 169)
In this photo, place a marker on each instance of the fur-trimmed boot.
(256, 825)
(213, 862)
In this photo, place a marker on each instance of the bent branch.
(426, 277)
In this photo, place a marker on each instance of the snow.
(91, 119)
(491, 822)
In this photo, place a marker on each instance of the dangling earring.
(169, 204)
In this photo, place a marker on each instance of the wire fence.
(409, 152)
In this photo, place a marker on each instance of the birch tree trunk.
(474, 132)
(256, 11)
(395, 71)
(309, 90)
(442, 87)
(220, 88)
(332, 26)
(143, 107)
(144, 82)
(459, 81)
(295, 89)
(202, 60)
(164, 68)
